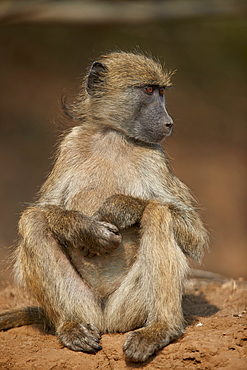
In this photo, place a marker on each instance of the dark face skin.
(139, 112)
(151, 122)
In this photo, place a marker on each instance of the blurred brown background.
(40, 58)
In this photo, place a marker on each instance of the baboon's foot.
(143, 343)
(79, 337)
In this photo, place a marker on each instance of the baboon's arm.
(124, 211)
(74, 229)
(188, 229)
(121, 210)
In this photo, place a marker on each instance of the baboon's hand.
(75, 230)
(99, 238)
(79, 337)
(93, 237)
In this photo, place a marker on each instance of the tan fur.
(103, 249)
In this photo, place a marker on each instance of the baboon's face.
(123, 97)
(150, 121)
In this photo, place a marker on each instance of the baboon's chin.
(157, 139)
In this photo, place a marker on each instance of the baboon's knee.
(156, 215)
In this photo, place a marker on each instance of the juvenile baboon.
(104, 247)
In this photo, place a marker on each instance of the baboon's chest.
(89, 190)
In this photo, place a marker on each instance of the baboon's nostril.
(169, 124)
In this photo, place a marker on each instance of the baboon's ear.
(95, 78)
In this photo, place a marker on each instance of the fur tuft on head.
(113, 73)
(123, 70)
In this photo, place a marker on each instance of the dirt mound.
(215, 338)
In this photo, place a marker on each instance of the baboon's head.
(125, 91)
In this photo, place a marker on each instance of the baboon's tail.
(24, 316)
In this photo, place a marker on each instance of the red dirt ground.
(215, 338)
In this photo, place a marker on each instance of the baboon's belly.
(104, 273)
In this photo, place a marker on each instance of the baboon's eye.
(149, 89)
(161, 90)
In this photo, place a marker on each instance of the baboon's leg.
(47, 273)
(151, 293)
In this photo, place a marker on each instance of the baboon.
(104, 247)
